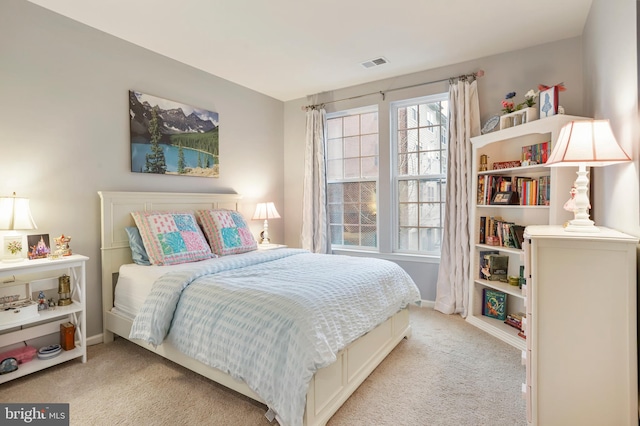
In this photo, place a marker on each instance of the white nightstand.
(270, 246)
(48, 321)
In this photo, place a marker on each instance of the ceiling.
(288, 49)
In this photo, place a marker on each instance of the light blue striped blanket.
(273, 318)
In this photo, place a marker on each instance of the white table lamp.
(15, 214)
(265, 211)
(585, 143)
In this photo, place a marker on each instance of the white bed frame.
(329, 388)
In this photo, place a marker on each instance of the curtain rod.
(463, 77)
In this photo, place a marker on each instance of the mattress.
(135, 282)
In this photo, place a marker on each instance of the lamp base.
(263, 239)
(581, 221)
(581, 225)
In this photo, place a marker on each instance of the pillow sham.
(138, 253)
(227, 231)
(171, 238)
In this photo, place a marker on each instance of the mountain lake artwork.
(171, 138)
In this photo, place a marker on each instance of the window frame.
(396, 178)
(346, 113)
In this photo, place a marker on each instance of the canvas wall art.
(171, 138)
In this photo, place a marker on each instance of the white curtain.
(453, 276)
(315, 227)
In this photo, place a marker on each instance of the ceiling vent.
(374, 62)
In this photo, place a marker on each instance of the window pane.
(351, 214)
(368, 192)
(402, 141)
(336, 234)
(429, 190)
(430, 239)
(430, 214)
(429, 163)
(370, 167)
(423, 110)
(352, 168)
(334, 128)
(429, 140)
(402, 118)
(369, 145)
(351, 236)
(336, 213)
(408, 214)
(334, 149)
(351, 192)
(412, 140)
(351, 125)
(334, 169)
(352, 147)
(369, 236)
(369, 123)
(334, 192)
(408, 239)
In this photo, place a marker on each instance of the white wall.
(64, 128)
(611, 92)
(516, 71)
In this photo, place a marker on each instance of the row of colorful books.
(498, 232)
(530, 191)
(537, 153)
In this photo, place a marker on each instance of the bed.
(141, 291)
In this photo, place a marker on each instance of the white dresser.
(581, 351)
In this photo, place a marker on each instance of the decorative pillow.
(138, 253)
(171, 238)
(226, 231)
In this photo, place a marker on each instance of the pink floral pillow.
(171, 238)
(227, 231)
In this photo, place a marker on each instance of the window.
(419, 142)
(352, 175)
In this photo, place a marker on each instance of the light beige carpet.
(447, 373)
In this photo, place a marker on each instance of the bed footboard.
(331, 386)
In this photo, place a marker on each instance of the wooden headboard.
(115, 215)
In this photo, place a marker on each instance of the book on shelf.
(484, 263)
(498, 265)
(494, 303)
(514, 320)
(517, 233)
(481, 190)
(522, 334)
(482, 230)
(544, 190)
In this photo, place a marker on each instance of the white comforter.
(273, 318)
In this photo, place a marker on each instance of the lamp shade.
(586, 141)
(265, 211)
(15, 213)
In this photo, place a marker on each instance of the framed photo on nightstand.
(39, 247)
(12, 248)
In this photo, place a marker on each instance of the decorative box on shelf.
(15, 303)
(516, 118)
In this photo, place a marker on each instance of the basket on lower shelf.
(22, 355)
